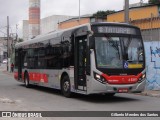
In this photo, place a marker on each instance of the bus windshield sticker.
(126, 65)
(135, 66)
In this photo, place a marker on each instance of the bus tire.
(66, 87)
(26, 80)
(110, 94)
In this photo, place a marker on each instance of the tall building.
(34, 18)
(47, 25)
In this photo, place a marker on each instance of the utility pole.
(16, 32)
(79, 10)
(151, 34)
(8, 43)
(126, 15)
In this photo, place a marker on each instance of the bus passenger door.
(20, 64)
(80, 62)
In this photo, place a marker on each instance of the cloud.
(17, 10)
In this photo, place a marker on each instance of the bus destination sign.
(117, 30)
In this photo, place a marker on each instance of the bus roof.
(48, 36)
(57, 34)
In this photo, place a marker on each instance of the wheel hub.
(66, 86)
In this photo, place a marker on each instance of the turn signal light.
(142, 78)
(99, 78)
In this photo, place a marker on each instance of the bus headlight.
(99, 78)
(141, 78)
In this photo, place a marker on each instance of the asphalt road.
(15, 97)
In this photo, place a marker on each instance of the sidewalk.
(8, 73)
(152, 93)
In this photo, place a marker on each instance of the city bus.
(95, 58)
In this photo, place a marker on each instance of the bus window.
(41, 58)
(108, 52)
(24, 58)
(30, 58)
(134, 52)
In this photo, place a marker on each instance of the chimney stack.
(34, 18)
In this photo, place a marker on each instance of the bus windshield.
(119, 52)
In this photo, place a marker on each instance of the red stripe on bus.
(38, 77)
(128, 79)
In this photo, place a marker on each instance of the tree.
(102, 14)
(20, 40)
(154, 1)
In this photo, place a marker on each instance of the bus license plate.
(123, 90)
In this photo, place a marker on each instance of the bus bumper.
(98, 87)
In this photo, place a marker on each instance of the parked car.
(4, 61)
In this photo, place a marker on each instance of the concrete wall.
(134, 14)
(151, 34)
(47, 25)
(73, 23)
(149, 23)
(50, 23)
(152, 50)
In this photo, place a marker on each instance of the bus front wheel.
(110, 94)
(65, 87)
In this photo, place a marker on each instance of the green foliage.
(20, 40)
(103, 14)
(154, 1)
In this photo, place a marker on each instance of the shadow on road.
(96, 98)
(105, 98)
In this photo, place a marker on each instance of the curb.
(151, 93)
(8, 73)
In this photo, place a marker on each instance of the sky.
(17, 10)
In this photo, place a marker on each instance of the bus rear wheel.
(66, 87)
(26, 81)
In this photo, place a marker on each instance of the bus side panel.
(53, 78)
